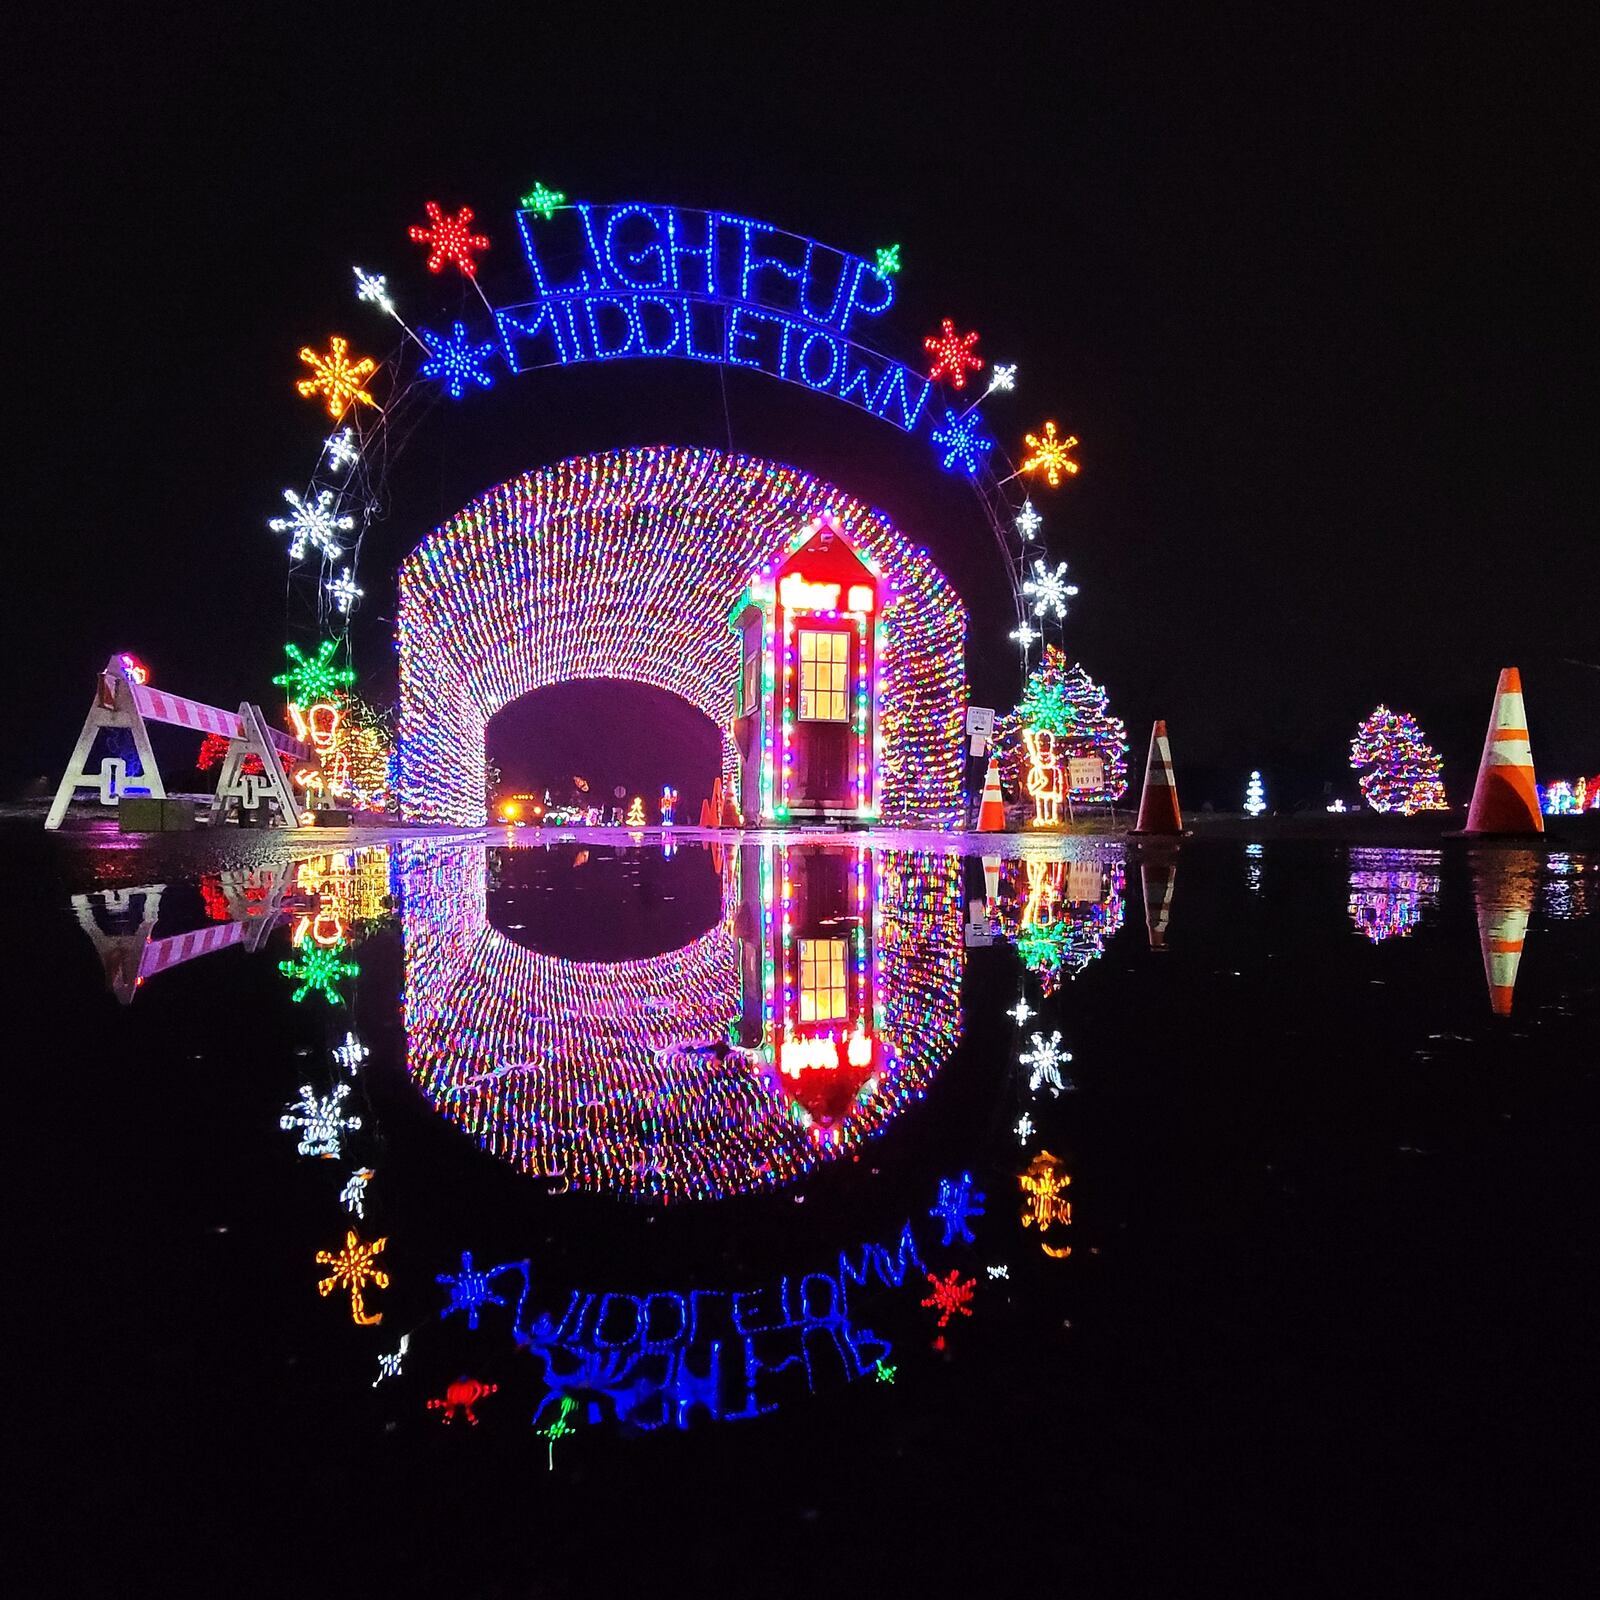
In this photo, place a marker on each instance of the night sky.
(1307, 281)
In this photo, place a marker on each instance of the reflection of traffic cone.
(991, 881)
(992, 811)
(1159, 877)
(1503, 893)
(1504, 799)
(1158, 805)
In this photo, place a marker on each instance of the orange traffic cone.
(1504, 799)
(706, 819)
(992, 810)
(730, 814)
(1158, 805)
(715, 804)
(1502, 891)
(1158, 876)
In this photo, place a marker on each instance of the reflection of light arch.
(569, 1068)
(625, 566)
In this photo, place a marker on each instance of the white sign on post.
(1086, 774)
(980, 727)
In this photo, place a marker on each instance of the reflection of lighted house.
(806, 713)
(811, 981)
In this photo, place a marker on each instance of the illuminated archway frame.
(625, 565)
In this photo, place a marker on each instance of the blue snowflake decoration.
(955, 1205)
(469, 1290)
(963, 441)
(456, 361)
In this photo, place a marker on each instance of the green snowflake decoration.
(888, 261)
(319, 970)
(884, 1373)
(1042, 945)
(542, 200)
(558, 1429)
(313, 678)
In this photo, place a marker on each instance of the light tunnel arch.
(625, 565)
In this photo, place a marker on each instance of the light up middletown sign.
(631, 281)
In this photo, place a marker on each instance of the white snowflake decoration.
(1050, 590)
(354, 1194)
(1003, 378)
(344, 591)
(320, 1121)
(1002, 1271)
(1025, 635)
(373, 288)
(1029, 522)
(341, 449)
(1024, 1128)
(1021, 1011)
(389, 1366)
(313, 525)
(1043, 1062)
(351, 1053)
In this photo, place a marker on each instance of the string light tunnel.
(627, 566)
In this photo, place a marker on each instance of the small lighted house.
(807, 701)
(810, 978)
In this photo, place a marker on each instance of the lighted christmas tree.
(1405, 771)
(1065, 701)
(1255, 796)
(635, 817)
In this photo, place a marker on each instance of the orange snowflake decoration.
(953, 355)
(354, 1268)
(1045, 1186)
(463, 1395)
(1050, 455)
(337, 378)
(450, 239)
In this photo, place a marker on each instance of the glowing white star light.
(312, 525)
(1029, 522)
(389, 1366)
(1026, 635)
(1050, 590)
(320, 1121)
(344, 592)
(1024, 1128)
(342, 450)
(373, 288)
(1003, 378)
(1043, 1062)
(1021, 1011)
(354, 1193)
(351, 1053)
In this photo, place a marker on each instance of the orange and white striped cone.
(1158, 804)
(1504, 900)
(992, 811)
(715, 804)
(730, 814)
(1505, 798)
(991, 881)
(1158, 878)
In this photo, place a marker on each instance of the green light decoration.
(561, 1428)
(888, 261)
(318, 970)
(313, 678)
(883, 1372)
(1042, 945)
(542, 200)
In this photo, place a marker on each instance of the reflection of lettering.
(657, 1360)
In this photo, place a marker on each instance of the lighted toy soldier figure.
(1044, 777)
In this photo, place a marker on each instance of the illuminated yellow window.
(824, 676)
(822, 980)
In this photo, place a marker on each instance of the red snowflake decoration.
(953, 355)
(950, 1295)
(450, 239)
(462, 1395)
